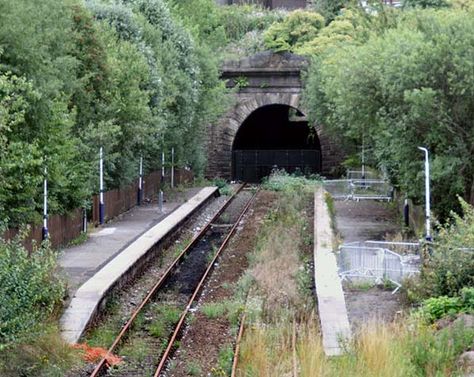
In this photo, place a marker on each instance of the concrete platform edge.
(87, 301)
(335, 326)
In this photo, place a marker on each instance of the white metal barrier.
(359, 189)
(374, 260)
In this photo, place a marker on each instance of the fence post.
(101, 186)
(44, 230)
(140, 183)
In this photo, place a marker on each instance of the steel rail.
(103, 362)
(237, 346)
(166, 353)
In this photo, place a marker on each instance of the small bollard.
(160, 200)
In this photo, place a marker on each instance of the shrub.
(437, 307)
(29, 291)
(450, 267)
(467, 298)
(290, 34)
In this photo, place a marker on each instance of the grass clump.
(231, 309)
(164, 317)
(224, 188)
(45, 354)
(193, 369)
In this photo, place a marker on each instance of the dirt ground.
(373, 304)
(361, 221)
(204, 338)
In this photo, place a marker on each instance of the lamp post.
(101, 187)
(140, 183)
(427, 193)
(44, 230)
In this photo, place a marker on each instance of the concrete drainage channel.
(171, 294)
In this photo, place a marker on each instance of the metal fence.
(376, 261)
(362, 174)
(359, 189)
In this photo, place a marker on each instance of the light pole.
(101, 187)
(140, 182)
(427, 193)
(44, 231)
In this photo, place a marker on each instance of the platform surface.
(79, 263)
(113, 264)
(335, 326)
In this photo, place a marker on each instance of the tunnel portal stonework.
(260, 80)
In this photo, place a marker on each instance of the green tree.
(410, 86)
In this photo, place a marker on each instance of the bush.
(437, 307)
(450, 267)
(29, 291)
(293, 32)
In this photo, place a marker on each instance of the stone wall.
(271, 79)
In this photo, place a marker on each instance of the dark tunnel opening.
(275, 136)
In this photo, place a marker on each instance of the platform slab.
(335, 326)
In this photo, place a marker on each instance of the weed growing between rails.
(281, 302)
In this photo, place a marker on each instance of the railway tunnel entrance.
(275, 137)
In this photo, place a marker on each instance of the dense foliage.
(125, 75)
(29, 291)
(402, 86)
(449, 265)
(229, 31)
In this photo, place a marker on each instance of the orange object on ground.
(93, 354)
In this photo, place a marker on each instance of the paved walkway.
(81, 262)
(365, 220)
(335, 326)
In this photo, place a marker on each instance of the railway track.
(179, 287)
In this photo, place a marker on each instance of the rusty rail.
(166, 353)
(237, 346)
(103, 362)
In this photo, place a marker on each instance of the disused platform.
(332, 310)
(87, 300)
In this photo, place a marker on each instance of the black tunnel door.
(253, 165)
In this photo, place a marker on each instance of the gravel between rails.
(204, 338)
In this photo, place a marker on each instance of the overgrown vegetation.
(31, 296)
(125, 75)
(281, 278)
(358, 90)
(285, 336)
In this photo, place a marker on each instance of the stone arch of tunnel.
(275, 136)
